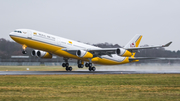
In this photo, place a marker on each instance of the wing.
(134, 49)
(156, 58)
(130, 47)
(97, 52)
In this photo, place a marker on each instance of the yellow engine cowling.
(84, 54)
(123, 52)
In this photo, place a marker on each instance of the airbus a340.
(46, 45)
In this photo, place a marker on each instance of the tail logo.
(132, 45)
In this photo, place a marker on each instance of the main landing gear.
(66, 64)
(80, 65)
(91, 68)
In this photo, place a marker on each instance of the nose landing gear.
(24, 49)
(24, 52)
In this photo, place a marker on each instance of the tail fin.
(134, 42)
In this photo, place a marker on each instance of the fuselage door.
(29, 34)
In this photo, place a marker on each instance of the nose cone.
(11, 34)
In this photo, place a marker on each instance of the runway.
(100, 70)
(82, 72)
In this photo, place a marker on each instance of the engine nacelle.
(84, 54)
(41, 54)
(34, 52)
(123, 52)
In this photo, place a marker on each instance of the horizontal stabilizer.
(147, 58)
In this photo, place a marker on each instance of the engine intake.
(84, 54)
(123, 52)
(41, 54)
(34, 52)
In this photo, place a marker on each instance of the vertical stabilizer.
(134, 42)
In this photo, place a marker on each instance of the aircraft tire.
(63, 65)
(67, 64)
(90, 64)
(70, 68)
(87, 64)
(93, 68)
(67, 68)
(90, 68)
(80, 65)
(24, 52)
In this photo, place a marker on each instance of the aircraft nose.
(11, 34)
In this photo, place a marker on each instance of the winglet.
(166, 45)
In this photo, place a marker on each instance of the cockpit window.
(18, 31)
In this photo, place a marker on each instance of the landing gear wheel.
(87, 64)
(24, 52)
(90, 64)
(80, 65)
(90, 68)
(70, 68)
(63, 65)
(67, 68)
(67, 64)
(93, 68)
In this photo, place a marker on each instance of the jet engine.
(34, 52)
(41, 54)
(123, 52)
(84, 54)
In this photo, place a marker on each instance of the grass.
(33, 68)
(90, 87)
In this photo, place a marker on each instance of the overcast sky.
(96, 21)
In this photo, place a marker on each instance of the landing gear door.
(29, 34)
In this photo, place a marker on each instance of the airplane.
(45, 45)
